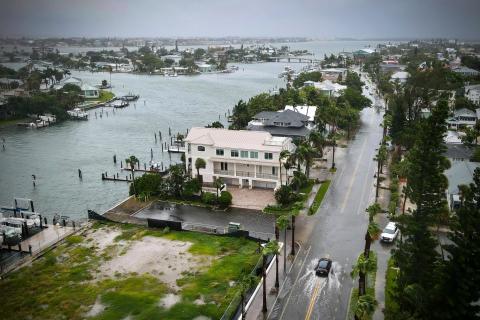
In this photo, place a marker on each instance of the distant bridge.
(292, 59)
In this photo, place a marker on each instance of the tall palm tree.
(270, 248)
(360, 270)
(284, 154)
(246, 283)
(317, 140)
(283, 222)
(365, 307)
(373, 231)
(292, 252)
(200, 164)
(132, 161)
(306, 154)
(288, 164)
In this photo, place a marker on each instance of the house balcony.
(267, 176)
(245, 174)
(223, 172)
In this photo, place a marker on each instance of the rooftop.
(461, 172)
(309, 111)
(236, 139)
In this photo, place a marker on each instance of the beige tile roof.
(236, 139)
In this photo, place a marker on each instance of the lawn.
(295, 208)
(370, 287)
(85, 276)
(319, 197)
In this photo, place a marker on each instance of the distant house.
(462, 118)
(472, 93)
(460, 171)
(285, 123)
(400, 76)
(334, 74)
(391, 67)
(327, 87)
(205, 67)
(465, 71)
(240, 157)
(87, 90)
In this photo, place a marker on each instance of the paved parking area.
(254, 199)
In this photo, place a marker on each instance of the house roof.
(308, 111)
(88, 87)
(400, 75)
(458, 151)
(236, 139)
(270, 118)
(464, 69)
(460, 172)
(464, 112)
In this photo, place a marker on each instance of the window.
(274, 171)
(220, 152)
(234, 153)
(244, 154)
(189, 148)
(224, 166)
(254, 154)
(268, 156)
(201, 148)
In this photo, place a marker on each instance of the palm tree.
(246, 283)
(282, 223)
(288, 164)
(292, 252)
(284, 154)
(360, 270)
(317, 140)
(270, 248)
(306, 154)
(218, 184)
(373, 231)
(365, 307)
(200, 164)
(132, 161)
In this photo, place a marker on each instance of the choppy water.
(55, 154)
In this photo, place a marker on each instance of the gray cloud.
(312, 18)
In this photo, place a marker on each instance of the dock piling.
(115, 159)
(80, 174)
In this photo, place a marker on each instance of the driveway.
(254, 199)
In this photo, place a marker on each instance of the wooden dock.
(115, 178)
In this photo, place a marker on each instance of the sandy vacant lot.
(163, 258)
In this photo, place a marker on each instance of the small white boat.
(78, 114)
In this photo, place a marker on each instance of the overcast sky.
(216, 18)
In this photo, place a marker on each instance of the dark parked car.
(323, 267)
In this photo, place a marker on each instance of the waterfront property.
(284, 123)
(88, 91)
(326, 87)
(334, 74)
(240, 157)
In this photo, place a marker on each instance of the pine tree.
(461, 272)
(416, 255)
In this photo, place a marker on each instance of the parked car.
(389, 233)
(323, 267)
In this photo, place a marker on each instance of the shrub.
(284, 196)
(191, 187)
(209, 198)
(225, 199)
(148, 184)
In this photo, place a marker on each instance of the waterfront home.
(472, 93)
(88, 91)
(326, 87)
(240, 157)
(400, 76)
(285, 123)
(465, 71)
(205, 67)
(462, 118)
(389, 66)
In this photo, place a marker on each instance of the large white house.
(473, 93)
(240, 157)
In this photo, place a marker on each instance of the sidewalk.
(254, 311)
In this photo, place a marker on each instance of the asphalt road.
(336, 231)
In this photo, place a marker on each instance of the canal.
(55, 154)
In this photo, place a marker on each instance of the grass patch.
(370, 288)
(332, 170)
(59, 285)
(391, 307)
(319, 197)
